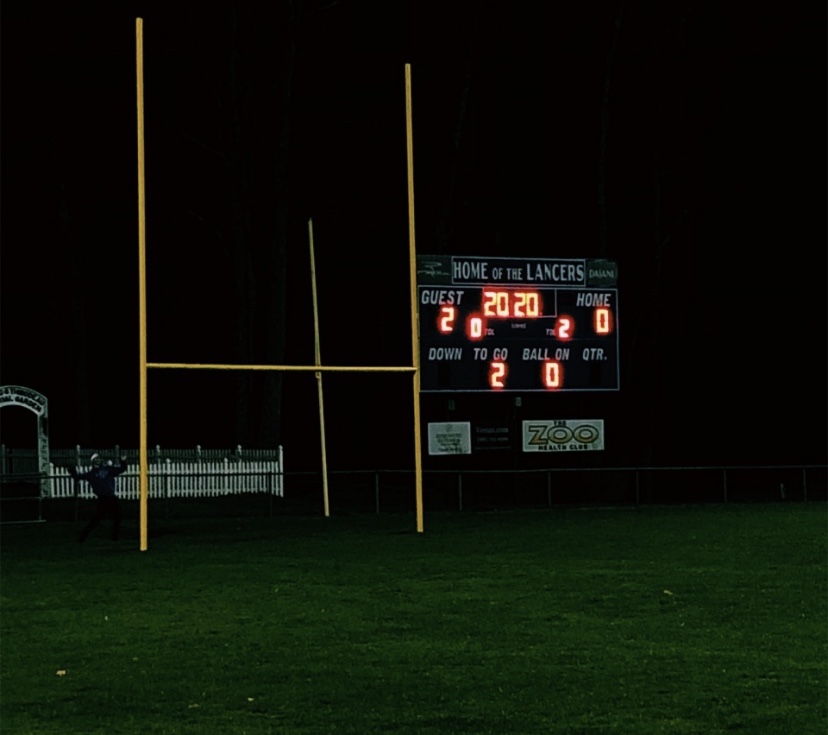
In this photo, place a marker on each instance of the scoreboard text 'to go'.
(517, 324)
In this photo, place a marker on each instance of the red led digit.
(533, 304)
(489, 301)
(552, 376)
(602, 320)
(497, 375)
(502, 306)
(475, 327)
(564, 327)
(445, 322)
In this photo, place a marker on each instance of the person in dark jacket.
(102, 480)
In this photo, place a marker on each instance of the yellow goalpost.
(318, 368)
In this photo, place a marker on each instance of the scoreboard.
(517, 324)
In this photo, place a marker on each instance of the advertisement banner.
(449, 438)
(488, 437)
(578, 435)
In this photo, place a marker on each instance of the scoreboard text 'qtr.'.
(517, 324)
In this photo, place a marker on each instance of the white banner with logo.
(579, 435)
(449, 438)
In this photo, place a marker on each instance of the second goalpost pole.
(142, 284)
(415, 330)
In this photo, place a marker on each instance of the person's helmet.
(96, 460)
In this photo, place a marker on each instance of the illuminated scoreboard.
(517, 324)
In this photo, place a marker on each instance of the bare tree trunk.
(604, 136)
(593, 459)
(238, 161)
(244, 294)
(445, 209)
(651, 416)
(78, 348)
(275, 257)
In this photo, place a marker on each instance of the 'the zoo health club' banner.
(581, 435)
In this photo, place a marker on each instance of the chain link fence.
(393, 491)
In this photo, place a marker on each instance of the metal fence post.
(460, 491)
(804, 485)
(637, 489)
(166, 467)
(549, 489)
(376, 492)
(75, 486)
(724, 483)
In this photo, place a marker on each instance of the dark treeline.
(677, 140)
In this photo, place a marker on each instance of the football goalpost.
(318, 369)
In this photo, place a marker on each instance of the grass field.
(707, 619)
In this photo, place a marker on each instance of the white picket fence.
(176, 479)
(25, 460)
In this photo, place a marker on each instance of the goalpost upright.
(144, 365)
(142, 286)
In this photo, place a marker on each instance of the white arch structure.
(17, 395)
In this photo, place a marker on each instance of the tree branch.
(201, 144)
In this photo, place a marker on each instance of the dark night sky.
(730, 96)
